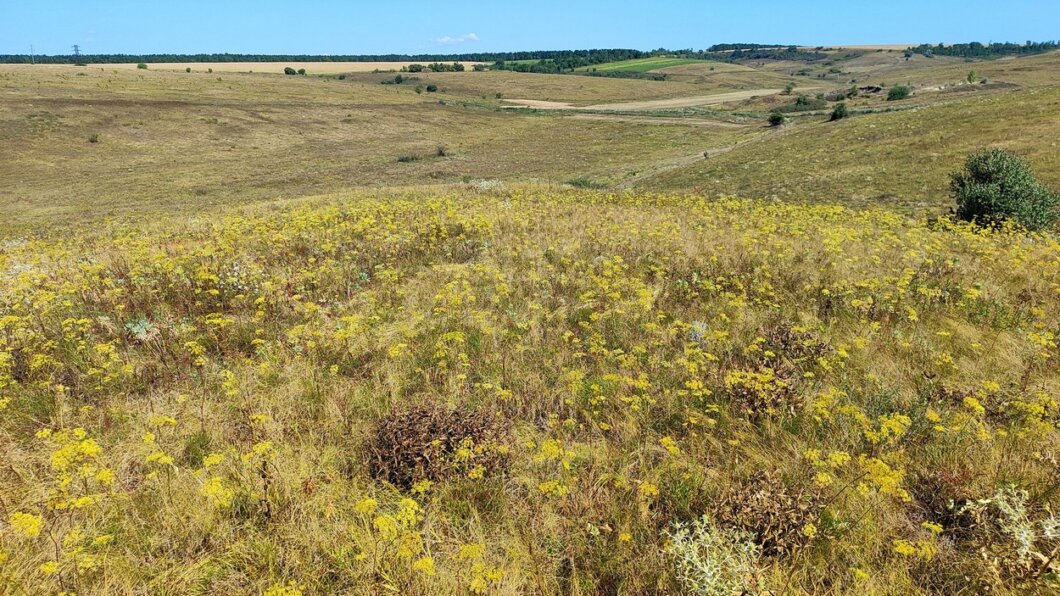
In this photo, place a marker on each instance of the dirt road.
(647, 105)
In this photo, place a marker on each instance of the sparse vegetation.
(803, 103)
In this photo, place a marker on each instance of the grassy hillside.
(899, 158)
(178, 142)
(724, 75)
(892, 68)
(528, 391)
(641, 65)
(484, 86)
(172, 141)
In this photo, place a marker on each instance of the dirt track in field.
(646, 105)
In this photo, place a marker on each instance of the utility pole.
(31, 59)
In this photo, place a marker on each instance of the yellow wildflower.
(26, 524)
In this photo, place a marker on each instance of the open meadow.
(318, 68)
(175, 141)
(521, 333)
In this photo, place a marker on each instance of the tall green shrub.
(997, 186)
(898, 92)
(840, 111)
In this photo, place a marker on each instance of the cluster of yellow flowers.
(202, 388)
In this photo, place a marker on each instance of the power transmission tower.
(31, 59)
(77, 53)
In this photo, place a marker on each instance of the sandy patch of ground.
(683, 102)
(657, 120)
(651, 104)
(537, 103)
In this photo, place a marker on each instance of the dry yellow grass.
(844, 398)
(576, 89)
(453, 384)
(312, 68)
(174, 141)
(899, 159)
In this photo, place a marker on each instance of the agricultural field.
(515, 333)
(641, 65)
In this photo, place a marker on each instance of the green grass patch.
(641, 65)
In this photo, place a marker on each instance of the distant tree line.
(729, 47)
(788, 53)
(595, 56)
(625, 74)
(530, 61)
(981, 50)
(569, 61)
(435, 67)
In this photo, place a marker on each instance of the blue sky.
(394, 26)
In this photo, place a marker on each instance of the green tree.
(840, 111)
(777, 119)
(898, 92)
(996, 186)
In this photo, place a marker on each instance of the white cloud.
(449, 41)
